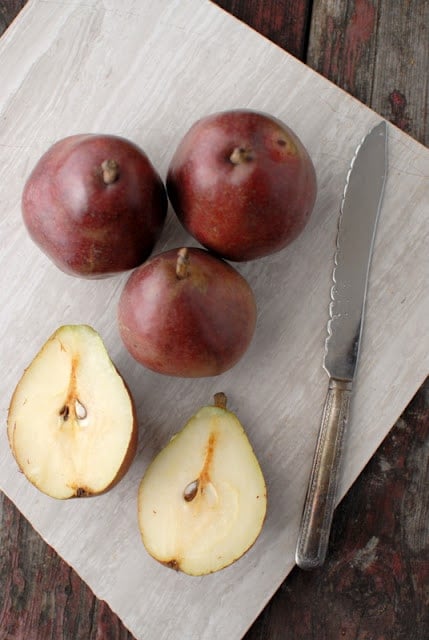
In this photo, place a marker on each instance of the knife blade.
(359, 212)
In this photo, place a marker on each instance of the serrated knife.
(359, 213)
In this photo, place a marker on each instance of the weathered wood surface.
(374, 584)
(284, 22)
(378, 51)
(9, 9)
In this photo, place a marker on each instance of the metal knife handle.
(322, 488)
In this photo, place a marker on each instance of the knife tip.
(381, 128)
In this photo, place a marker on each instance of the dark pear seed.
(191, 491)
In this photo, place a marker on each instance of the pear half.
(71, 421)
(202, 501)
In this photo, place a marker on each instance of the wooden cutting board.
(147, 71)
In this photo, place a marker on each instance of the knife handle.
(322, 488)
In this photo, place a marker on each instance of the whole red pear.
(187, 313)
(95, 205)
(242, 183)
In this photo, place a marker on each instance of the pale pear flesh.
(202, 501)
(71, 422)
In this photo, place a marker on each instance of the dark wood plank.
(9, 9)
(284, 22)
(378, 51)
(42, 598)
(401, 78)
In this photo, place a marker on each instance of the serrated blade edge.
(359, 212)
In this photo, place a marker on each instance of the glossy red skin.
(193, 327)
(89, 228)
(248, 210)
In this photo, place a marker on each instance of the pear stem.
(182, 264)
(110, 171)
(220, 400)
(240, 155)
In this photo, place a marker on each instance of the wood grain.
(377, 51)
(375, 582)
(284, 22)
(9, 9)
(42, 597)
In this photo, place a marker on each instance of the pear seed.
(64, 413)
(191, 491)
(80, 410)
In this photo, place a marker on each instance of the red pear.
(95, 205)
(242, 183)
(187, 313)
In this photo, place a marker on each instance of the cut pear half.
(202, 501)
(71, 421)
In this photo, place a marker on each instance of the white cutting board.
(147, 70)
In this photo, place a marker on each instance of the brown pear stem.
(240, 155)
(182, 264)
(110, 171)
(220, 400)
